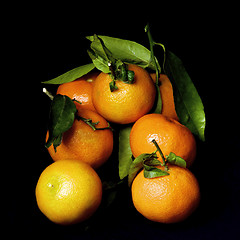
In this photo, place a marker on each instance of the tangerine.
(129, 102)
(82, 143)
(80, 90)
(68, 192)
(170, 135)
(166, 199)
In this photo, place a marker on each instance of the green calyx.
(120, 71)
(149, 163)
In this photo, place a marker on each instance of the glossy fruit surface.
(166, 199)
(170, 135)
(80, 90)
(129, 102)
(68, 192)
(82, 143)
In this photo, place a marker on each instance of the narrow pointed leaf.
(125, 153)
(72, 74)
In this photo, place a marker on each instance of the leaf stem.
(156, 64)
(92, 124)
(48, 93)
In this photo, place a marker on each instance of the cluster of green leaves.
(149, 161)
(111, 55)
(106, 62)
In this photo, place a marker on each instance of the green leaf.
(122, 73)
(72, 74)
(188, 104)
(100, 63)
(176, 160)
(101, 50)
(152, 162)
(106, 62)
(100, 55)
(113, 86)
(135, 167)
(152, 172)
(127, 51)
(125, 153)
(57, 141)
(62, 116)
(130, 76)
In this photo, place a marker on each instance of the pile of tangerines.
(70, 190)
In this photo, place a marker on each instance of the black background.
(47, 42)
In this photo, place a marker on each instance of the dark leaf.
(125, 153)
(152, 161)
(152, 172)
(130, 76)
(188, 103)
(113, 86)
(62, 116)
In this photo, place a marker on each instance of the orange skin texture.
(129, 102)
(81, 90)
(68, 192)
(166, 90)
(170, 135)
(82, 143)
(166, 199)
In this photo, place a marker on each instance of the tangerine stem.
(92, 124)
(161, 153)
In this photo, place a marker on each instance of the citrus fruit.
(129, 102)
(68, 192)
(170, 135)
(82, 143)
(166, 90)
(80, 90)
(166, 199)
